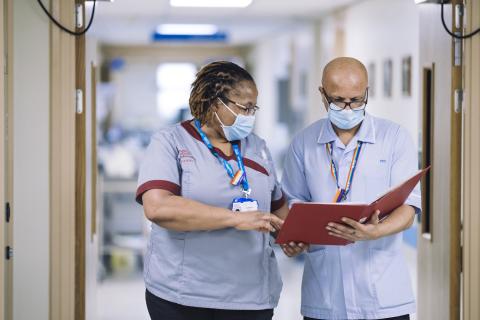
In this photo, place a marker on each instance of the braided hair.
(215, 80)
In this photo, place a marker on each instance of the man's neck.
(346, 135)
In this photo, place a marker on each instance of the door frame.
(80, 175)
(471, 170)
(67, 162)
(62, 163)
(455, 176)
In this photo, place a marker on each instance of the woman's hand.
(257, 220)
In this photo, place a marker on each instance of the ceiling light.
(431, 1)
(211, 3)
(187, 29)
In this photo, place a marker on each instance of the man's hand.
(293, 249)
(356, 231)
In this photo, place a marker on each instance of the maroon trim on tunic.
(255, 166)
(277, 204)
(156, 184)
(194, 133)
(246, 161)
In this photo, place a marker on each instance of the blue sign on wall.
(216, 37)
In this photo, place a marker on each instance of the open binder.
(306, 221)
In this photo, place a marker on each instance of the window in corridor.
(173, 89)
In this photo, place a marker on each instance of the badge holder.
(243, 204)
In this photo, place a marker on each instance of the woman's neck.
(213, 134)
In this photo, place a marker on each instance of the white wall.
(287, 54)
(372, 31)
(31, 161)
(134, 85)
(265, 65)
(135, 95)
(376, 30)
(326, 47)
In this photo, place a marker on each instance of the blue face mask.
(240, 129)
(347, 118)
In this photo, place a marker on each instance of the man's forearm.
(399, 220)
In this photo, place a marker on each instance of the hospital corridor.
(177, 159)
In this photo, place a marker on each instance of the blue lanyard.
(241, 175)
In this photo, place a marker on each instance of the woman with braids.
(210, 189)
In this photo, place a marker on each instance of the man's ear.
(322, 93)
(324, 99)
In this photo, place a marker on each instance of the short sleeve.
(159, 167)
(277, 197)
(405, 165)
(293, 180)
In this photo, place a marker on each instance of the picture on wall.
(371, 80)
(407, 76)
(387, 78)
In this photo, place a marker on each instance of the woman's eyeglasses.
(249, 111)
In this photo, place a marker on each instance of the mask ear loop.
(233, 112)
(218, 118)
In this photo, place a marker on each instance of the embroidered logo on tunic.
(185, 156)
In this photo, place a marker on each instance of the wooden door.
(6, 163)
(439, 238)
(3, 222)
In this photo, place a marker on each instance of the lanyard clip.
(246, 193)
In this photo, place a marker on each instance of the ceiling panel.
(133, 21)
(259, 8)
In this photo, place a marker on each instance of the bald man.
(352, 156)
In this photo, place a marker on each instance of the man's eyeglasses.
(249, 111)
(341, 104)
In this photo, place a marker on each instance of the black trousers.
(404, 317)
(160, 309)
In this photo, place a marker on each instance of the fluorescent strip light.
(187, 29)
(430, 1)
(211, 3)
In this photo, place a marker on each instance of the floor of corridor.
(123, 299)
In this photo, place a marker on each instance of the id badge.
(244, 204)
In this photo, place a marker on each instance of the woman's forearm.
(181, 214)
